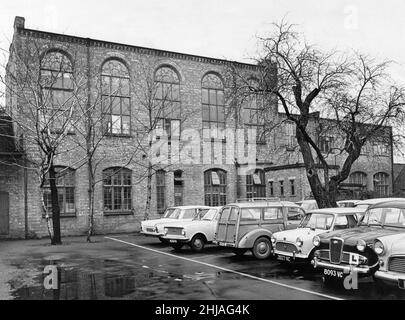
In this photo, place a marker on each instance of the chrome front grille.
(324, 255)
(174, 231)
(336, 248)
(150, 229)
(286, 247)
(396, 264)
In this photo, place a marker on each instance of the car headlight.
(361, 245)
(166, 231)
(299, 242)
(273, 240)
(379, 247)
(183, 233)
(316, 241)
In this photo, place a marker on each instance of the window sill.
(118, 213)
(113, 135)
(62, 215)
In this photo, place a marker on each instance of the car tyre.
(239, 252)
(177, 247)
(197, 243)
(262, 248)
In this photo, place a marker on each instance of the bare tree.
(352, 90)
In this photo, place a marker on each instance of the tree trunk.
(56, 239)
(148, 192)
(91, 200)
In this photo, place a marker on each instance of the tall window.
(213, 105)
(271, 186)
(116, 99)
(290, 134)
(178, 188)
(325, 144)
(117, 185)
(215, 188)
(358, 177)
(380, 149)
(381, 184)
(161, 191)
(65, 182)
(167, 107)
(256, 185)
(292, 187)
(57, 91)
(281, 188)
(253, 111)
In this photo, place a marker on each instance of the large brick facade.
(25, 194)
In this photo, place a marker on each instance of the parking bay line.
(228, 270)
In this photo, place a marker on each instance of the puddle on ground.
(106, 279)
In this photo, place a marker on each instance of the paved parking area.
(135, 267)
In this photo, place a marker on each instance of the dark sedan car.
(352, 250)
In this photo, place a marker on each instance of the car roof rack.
(258, 199)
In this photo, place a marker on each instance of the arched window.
(117, 190)
(167, 109)
(213, 105)
(116, 98)
(256, 185)
(57, 91)
(381, 184)
(161, 191)
(253, 110)
(358, 177)
(215, 187)
(65, 182)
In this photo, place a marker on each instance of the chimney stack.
(19, 23)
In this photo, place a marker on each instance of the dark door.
(4, 213)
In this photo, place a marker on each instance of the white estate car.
(154, 228)
(195, 233)
(296, 244)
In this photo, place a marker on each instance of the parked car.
(347, 203)
(296, 245)
(390, 250)
(344, 251)
(249, 225)
(308, 205)
(195, 233)
(154, 228)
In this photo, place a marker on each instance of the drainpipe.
(392, 162)
(25, 194)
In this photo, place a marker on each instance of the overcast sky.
(219, 28)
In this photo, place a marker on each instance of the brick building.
(211, 169)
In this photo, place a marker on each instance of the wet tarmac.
(109, 269)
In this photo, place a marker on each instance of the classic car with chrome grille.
(155, 227)
(249, 225)
(353, 250)
(195, 233)
(391, 250)
(296, 245)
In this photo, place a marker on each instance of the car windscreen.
(385, 216)
(170, 213)
(321, 221)
(210, 214)
(187, 214)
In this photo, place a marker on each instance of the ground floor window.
(65, 182)
(161, 191)
(117, 190)
(256, 185)
(381, 184)
(215, 187)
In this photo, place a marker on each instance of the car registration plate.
(284, 258)
(173, 241)
(333, 273)
(401, 283)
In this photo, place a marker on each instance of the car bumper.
(345, 268)
(224, 244)
(151, 234)
(179, 239)
(292, 255)
(390, 277)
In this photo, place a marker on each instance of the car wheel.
(239, 252)
(262, 248)
(177, 247)
(197, 243)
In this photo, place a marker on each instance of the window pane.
(272, 213)
(175, 92)
(108, 198)
(221, 114)
(126, 125)
(125, 87)
(205, 96)
(206, 113)
(116, 107)
(213, 113)
(117, 198)
(70, 200)
(116, 124)
(251, 214)
(213, 97)
(115, 86)
(125, 103)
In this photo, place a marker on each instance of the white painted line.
(228, 270)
